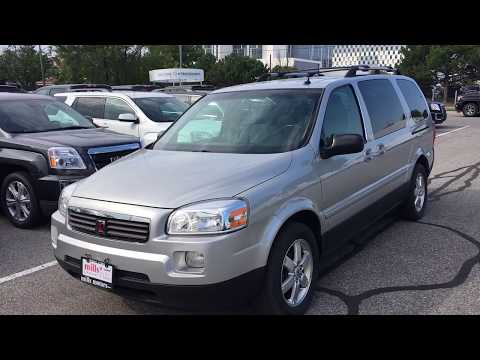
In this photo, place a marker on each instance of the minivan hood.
(170, 179)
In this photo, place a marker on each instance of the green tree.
(235, 69)
(414, 64)
(206, 62)
(448, 65)
(279, 68)
(110, 64)
(22, 64)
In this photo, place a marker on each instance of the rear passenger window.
(414, 98)
(383, 105)
(57, 90)
(43, 91)
(342, 115)
(90, 106)
(114, 107)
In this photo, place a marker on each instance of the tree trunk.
(445, 94)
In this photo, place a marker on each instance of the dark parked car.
(468, 102)
(44, 146)
(136, 87)
(438, 111)
(11, 89)
(54, 89)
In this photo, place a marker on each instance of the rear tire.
(19, 201)
(470, 109)
(297, 273)
(416, 203)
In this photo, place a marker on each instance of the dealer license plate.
(97, 273)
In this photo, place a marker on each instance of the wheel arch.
(296, 210)
(13, 160)
(422, 159)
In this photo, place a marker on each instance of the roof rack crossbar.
(373, 69)
(351, 72)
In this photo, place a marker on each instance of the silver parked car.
(244, 202)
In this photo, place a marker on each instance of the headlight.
(212, 217)
(65, 196)
(65, 158)
(435, 107)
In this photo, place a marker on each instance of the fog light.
(194, 259)
(54, 235)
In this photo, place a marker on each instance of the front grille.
(104, 156)
(106, 227)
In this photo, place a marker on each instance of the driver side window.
(342, 116)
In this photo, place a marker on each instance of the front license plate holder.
(97, 273)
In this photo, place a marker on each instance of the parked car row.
(245, 194)
(145, 115)
(45, 145)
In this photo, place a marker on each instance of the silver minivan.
(242, 204)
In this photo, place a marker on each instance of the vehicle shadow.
(144, 308)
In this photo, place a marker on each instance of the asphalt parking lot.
(428, 267)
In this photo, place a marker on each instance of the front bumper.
(151, 270)
(233, 292)
(439, 116)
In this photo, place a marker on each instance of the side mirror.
(128, 117)
(343, 144)
(91, 120)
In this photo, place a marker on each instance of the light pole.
(180, 57)
(41, 64)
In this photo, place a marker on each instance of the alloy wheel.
(18, 201)
(297, 272)
(419, 192)
(470, 109)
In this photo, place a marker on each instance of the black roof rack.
(351, 72)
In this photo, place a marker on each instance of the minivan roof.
(319, 82)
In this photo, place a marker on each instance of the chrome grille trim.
(116, 226)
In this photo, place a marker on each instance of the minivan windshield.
(39, 115)
(161, 109)
(249, 122)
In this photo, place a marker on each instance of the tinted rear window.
(414, 98)
(383, 105)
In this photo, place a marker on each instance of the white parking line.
(449, 132)
(26, 272)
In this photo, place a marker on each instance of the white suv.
(142, 114)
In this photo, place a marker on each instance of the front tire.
(291, 272)
(19, 201)
(470, 109)
(416, 202)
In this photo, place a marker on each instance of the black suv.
(55, 89)
(44, 146)
(468, 102)
(11, 89)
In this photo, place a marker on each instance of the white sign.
(176, 75)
